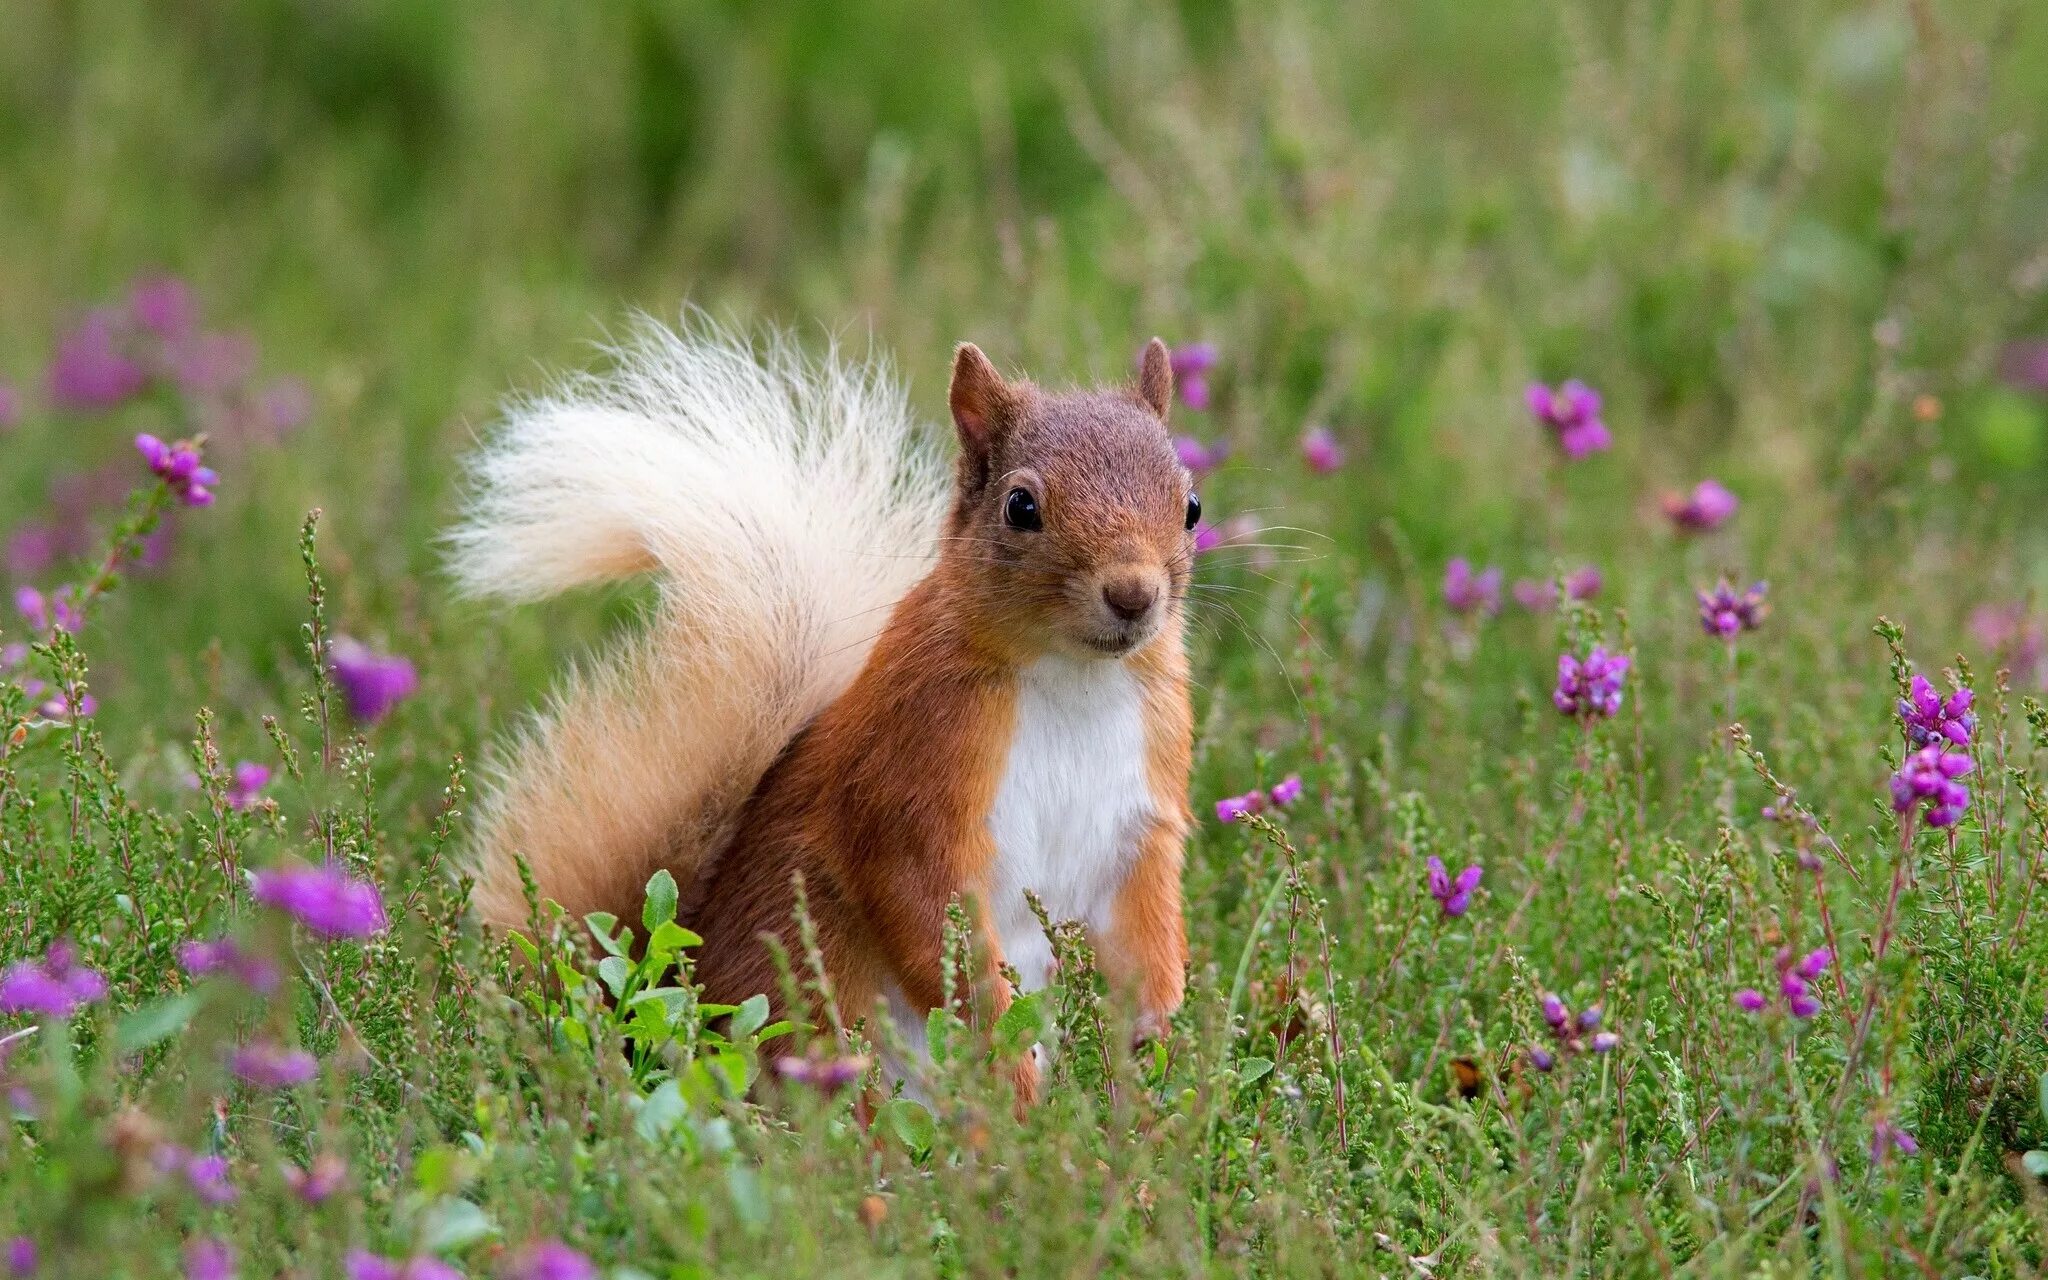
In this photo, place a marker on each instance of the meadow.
(1622, 761)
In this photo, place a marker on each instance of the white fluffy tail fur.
(786, 505)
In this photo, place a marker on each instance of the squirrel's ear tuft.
(1155, 377)
(979, 398)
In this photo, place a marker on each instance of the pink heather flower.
(246, 783)
(360, 1264)
(2024, 365)
(283, 404)
(1708, 506)
(1590, 686)
(1197, 456)
(57, 611)
(371, 683)
(1191, 365)
(1540, 594)
(326, 900)
(1886, 1137)
(21, 1257)
(56, 986)
(1726, 615)
(1555, 1013)
(826, 1075)
(1795, 979)
(1928, 717)
(1321, 451)
(1928, 777)
(1207, 537)
(90, 371)
(230, 959)
(551, 1260)
(1572, 412)
(10, 408)
(263, 1065)
(177, 464)
(2014, 639)
(1750, 1000)
(162, 305)
(1453, 896)
(206, 1175)
(58, 706)
(1286, 791)
(210, 363)
(1467, 592)
(153, 548)
(318, 1181)
(31, 549)
(1541, 1058)
(1571, 1033)
(1604, 1042)
(207, 1259)
(1231, 808)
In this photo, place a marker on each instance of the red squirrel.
(906, 689)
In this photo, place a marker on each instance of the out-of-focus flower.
(2015, 639)
(1796, 975)
(1538, 595)
(58, 706)
(826, 1075)
(326, 899)
(1572, 412)
(206, 1175)
(1231, 808)
(1541, 1058)
(208, 1259)
(1570, 1033)
(10, 413)
(360, 1264)
(1929, 777)
(1286, 791)
(1191, 365)
(56, 986)
(90, 370)
(1453, 896)
(1708, 506)
(1750, 1000)
(1197, 456)
(207, 364)
(283, 405)
(1887, 1137)
(178, 465)
(264, 1065)
(57, 611)
(1590, 686)
(1928, 716)
(1605, 1042)
(163, 305)
(153, 548)
(230, 959)
(246, 783)
(317, 1181)
(2024, 365)
(551, 1260)
(22, 1257)
(371, 683)
(1726, 614)
(1468, 592)
(1207, 537)
(31, 549)
(1320, 450)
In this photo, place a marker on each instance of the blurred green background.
(1764, 230)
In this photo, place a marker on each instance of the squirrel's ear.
(1155, 377)
(979, 398)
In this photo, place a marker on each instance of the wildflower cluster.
(371, 683)
(1930, 778)
(326, 900)
(1467, 592)
(1191, 365)
(1796, 976)
(1590, 686)
(56, 986)
(1726, 614)
(1540, 594)
(1320, 450)
(1284, 793)
(1453, 895)
(178, 465)
(1706, 508)
(1928, 717)
(1572, 412)
(1571, 1035)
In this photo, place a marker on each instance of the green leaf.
(614, 970)
(602, 925)
(155, 1022)
(1252, 1070)
(1019, 1026)
(910, 1124)
(750, 1017)
(2036, 1163)
(660, 907)
(2043, 1087)
(669, 937)
(939, 1028)
(662, 1111)
(452, 1224)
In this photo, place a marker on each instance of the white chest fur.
(1072, 804)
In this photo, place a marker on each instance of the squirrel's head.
(1072, 515)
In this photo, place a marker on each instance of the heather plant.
(1625, 931)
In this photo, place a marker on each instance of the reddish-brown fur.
(882, 802)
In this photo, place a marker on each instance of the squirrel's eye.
(1194, 509)
(1020, 511)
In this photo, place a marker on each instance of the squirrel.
(905, 687)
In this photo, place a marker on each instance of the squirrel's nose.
(1130, 598)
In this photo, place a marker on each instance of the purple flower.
(1750, 1000)
(1231, 808)
(1207, 536)
(2024, 365)
(227, 957)
(1286, 791)
(1320, 450)
(90, 371)
(57, 611)
(245, 785)
(58, 706)
(162, 305)
(1555, 1013)
(1887, 1137)
(1541, 1058)
(326, 900)
(1590, 686)
(1453, 896)
(206, 364)
(206, 1175)
(178, 465)
(1928, 777)
(1708, 506)
(1572, 412)
(1928, 716)
(207, 1259)
(31, 548)
(263, 1065)
(10, 410)
(1604, 1042)
(551, 1260)
(1468, 592)
(56, 986)
(360, 1264)
(315, 1183)
(283, 404)
(371, 683)
(1795, 976)
(1538, 595)
(1727, 615)
(2013, 638)
(22, 1257)
(1191, 365)
(826, 1075)
(1197, 456)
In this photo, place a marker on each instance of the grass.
(1788, 243)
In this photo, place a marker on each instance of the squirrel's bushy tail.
(784, 503)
